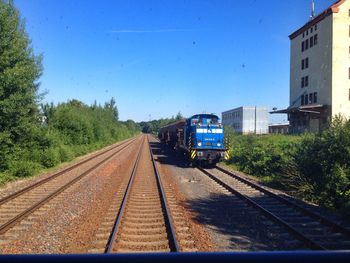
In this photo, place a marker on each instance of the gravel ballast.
(67, 223)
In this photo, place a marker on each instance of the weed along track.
(314, 230)
(143, 223)
(22, 204)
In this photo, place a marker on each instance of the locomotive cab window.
(195, 121)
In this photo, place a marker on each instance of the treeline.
(154, 125)
(66, 131)
(34, 136)
(315, 167)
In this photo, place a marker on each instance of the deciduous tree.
(20, 70)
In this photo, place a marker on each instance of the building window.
(311, 42)
(315, 97)
(311, 98)
(307, 32)
(303, 34)
(315, 27)
(349, 94)
(312, 29)
(302, 46)
(304, 82)
(306, 44)
(315, 39)
(304, 63)
(302, 100)
(306, 99)
(349, 73)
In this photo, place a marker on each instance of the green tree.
(179, 116)
(20, 70)
(111, 105)
(323, 161)
(47, 111)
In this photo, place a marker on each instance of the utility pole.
(255, 120)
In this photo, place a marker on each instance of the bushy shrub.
(24, 168)
(312, 166)
(50, 157)
(323, 161)
(261, 156)
(65, 153)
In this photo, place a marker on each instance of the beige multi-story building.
(320, 70)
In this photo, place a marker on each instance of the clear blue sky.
(164, 56)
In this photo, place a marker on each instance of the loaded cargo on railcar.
(201, 137)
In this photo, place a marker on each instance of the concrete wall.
(319, 71)
(341, 61)
(248, 120)
(255, 120)
(262, 121)
(243, 120)
(233, 118)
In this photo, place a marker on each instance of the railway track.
(21, 204)
(143, 222)
(314, 230)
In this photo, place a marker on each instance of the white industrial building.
(247, 120)
(320, 70)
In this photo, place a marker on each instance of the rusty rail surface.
(167, 217)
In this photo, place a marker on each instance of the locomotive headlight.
(199, 143)
(218, 144)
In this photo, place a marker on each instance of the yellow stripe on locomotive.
(193, 154)
(227, 156)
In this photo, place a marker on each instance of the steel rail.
(321, 219)
(115, 229)
(53, 176)
(14, 220)
(310, 243)
(174, 244)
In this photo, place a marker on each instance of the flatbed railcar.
(200, 137)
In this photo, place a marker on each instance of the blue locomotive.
(201, 137)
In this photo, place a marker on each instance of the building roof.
(279, 125)
(330, 10)
(311, 108)
(246, 107)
